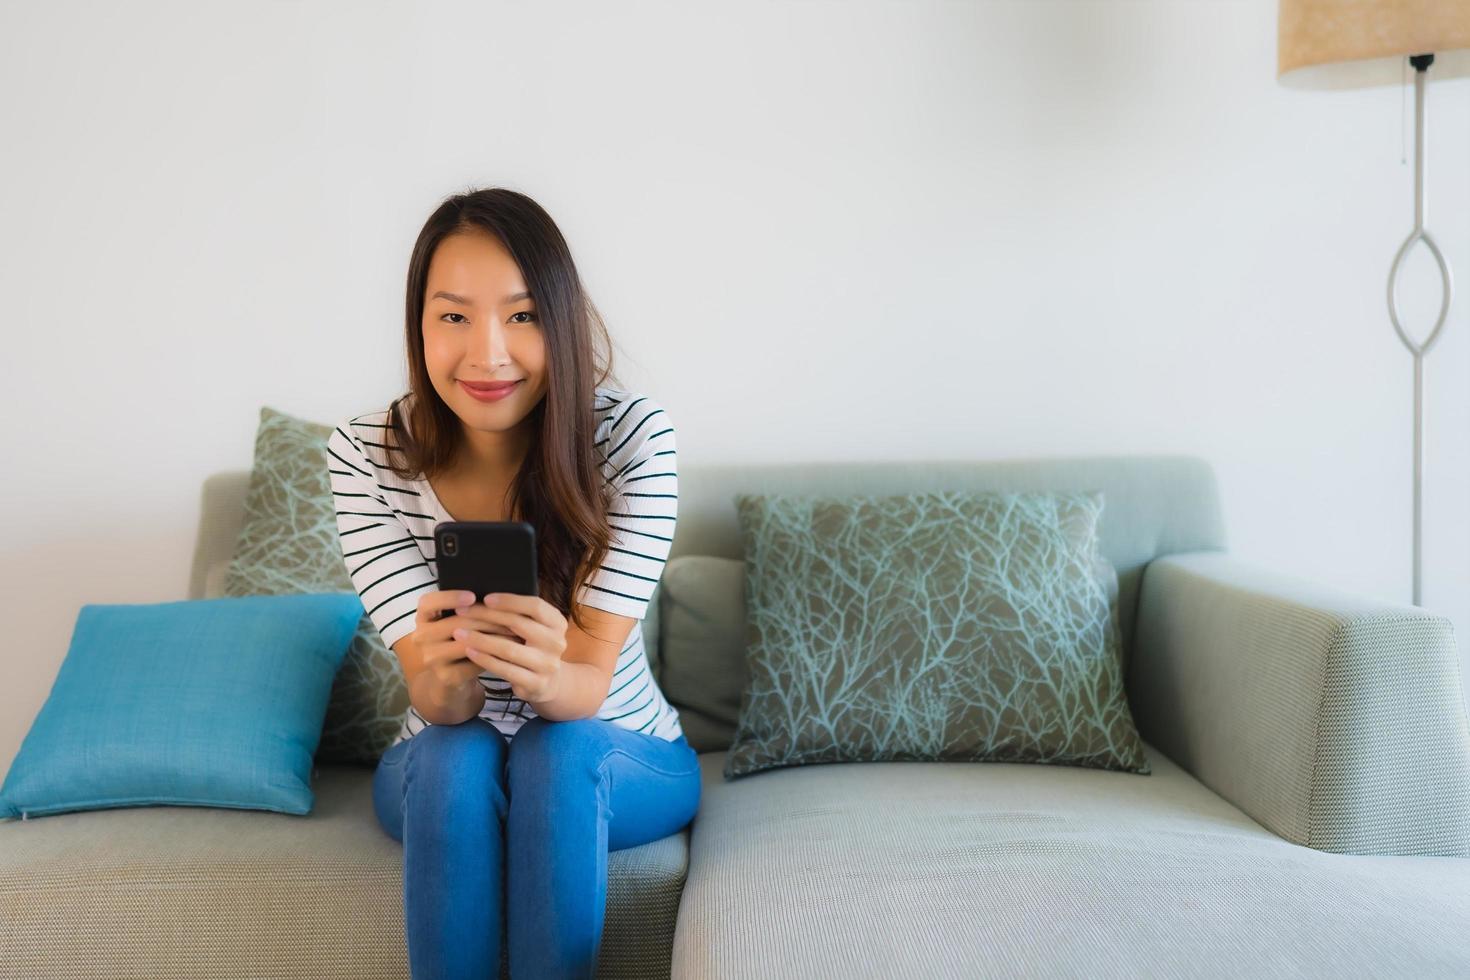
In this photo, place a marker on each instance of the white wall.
(866, 230)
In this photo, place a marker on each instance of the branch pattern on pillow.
(930, 626)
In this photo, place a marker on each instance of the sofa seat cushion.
(961, 869)
(207, 892)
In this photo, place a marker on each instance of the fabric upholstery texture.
(929, 626)
(287, 542)
(1336, 720)
(993, 869)
(201, 702)
(185, 893)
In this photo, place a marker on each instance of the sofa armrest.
(1334, 720)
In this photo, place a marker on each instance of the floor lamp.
(1356, 40)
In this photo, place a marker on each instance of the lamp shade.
(1365, 41)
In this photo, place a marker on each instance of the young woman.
(536, 739)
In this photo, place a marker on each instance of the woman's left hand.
(531, 658)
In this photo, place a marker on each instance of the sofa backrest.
(1153, 505)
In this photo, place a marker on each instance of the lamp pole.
(1418, 349)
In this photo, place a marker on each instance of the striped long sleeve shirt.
(385, 526)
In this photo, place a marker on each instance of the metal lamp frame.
(1418, 349)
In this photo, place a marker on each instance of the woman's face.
(479, 325)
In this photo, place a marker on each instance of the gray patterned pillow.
(288, 543)
(930, 626)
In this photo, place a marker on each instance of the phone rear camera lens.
(451, 544)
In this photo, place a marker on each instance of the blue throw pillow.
(204, 702)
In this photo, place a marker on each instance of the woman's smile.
(489, 391)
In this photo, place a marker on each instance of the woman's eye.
(452, 314)
(526, 313)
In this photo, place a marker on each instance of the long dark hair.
(559, 489)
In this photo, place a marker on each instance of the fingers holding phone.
(437, 618)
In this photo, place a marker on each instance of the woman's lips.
(489, 394)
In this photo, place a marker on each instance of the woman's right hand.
(441, 655)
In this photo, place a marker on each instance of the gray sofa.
(1308, 813)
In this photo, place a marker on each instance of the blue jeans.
(483, 818)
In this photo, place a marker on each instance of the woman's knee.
(454, 754)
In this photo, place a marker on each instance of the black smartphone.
(486, 556)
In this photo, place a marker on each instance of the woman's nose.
(489, 345)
